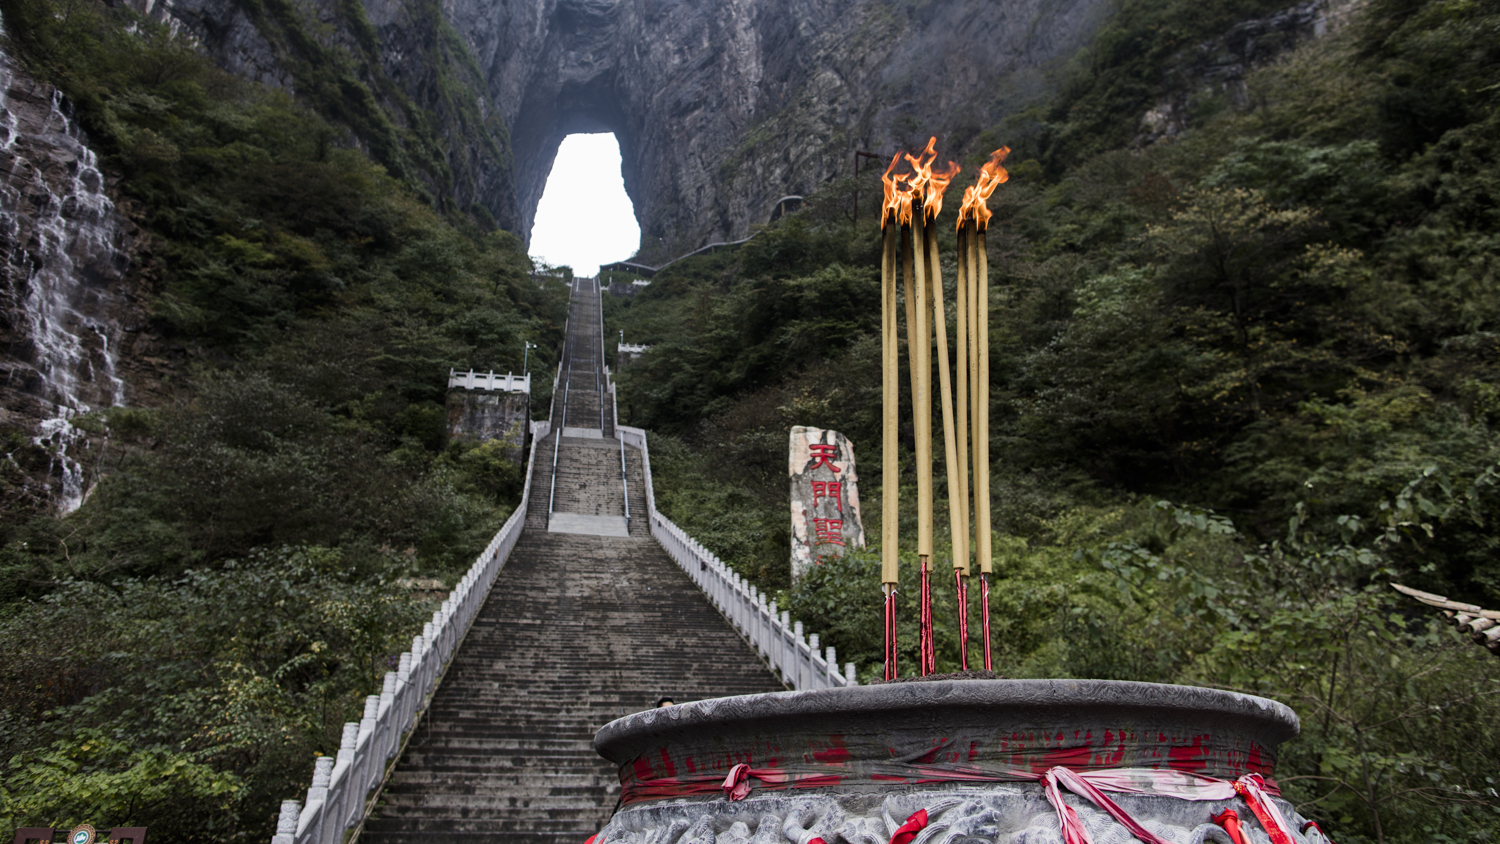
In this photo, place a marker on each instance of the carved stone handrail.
(472, 380)
(345, 787)
(774, 635)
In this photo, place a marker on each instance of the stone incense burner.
(952, 761)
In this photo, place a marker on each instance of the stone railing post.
(316, 811)
(815, 679)
(349, 793)
(404, 686)
(286, 822)
(799, 668)
(367, 752)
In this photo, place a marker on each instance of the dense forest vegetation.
(1243, 378)
(178, 648)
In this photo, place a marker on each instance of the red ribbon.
(737, 784)
(1072, 828)
(1252, 788)
(907, 831)
(1230, 820)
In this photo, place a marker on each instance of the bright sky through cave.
(584, 218)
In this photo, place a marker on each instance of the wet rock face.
(720, 109)
(65, 254)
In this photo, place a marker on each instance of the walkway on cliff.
(578, 630)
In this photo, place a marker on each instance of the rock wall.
(484, 415)
(64, 255)
(720, 109)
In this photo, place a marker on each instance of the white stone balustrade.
(777, 639)
(344, 788)
(472, 380)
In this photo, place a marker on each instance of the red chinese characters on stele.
(829, 531)
(824, 498)
(823, 456)
(828, 489)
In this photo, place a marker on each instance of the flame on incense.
(921, 182)
(977, 196)
(897, 197)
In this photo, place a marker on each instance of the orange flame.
(937, 183)
(977, 196)
(897, 199)
(922, 183)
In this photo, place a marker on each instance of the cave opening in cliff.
(585, 218)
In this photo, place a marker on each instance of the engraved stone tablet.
(825, 498)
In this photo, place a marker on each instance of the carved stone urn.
(1002, 761)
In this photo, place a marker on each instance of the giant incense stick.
(961, 546)
(890, 526)
(973, 220)
(921, 362)
(954, 460)
(910, 250)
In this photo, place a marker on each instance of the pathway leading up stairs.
(578, 630)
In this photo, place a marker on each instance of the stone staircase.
(577, 631)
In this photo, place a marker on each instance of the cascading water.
(60, 237)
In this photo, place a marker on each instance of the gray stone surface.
(485, 415)
(950, 706)
(588, 525)
(896, 723)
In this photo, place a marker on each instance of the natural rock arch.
(720, 109)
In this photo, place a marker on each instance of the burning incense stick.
(890, 225)
(962, 317)
(973, 220)
(936, 183)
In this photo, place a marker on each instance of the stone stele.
(825, 497)
(851, 765)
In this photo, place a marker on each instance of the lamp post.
(526, 356)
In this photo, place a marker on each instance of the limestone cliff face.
(721, 108)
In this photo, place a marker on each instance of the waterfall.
(60, 238)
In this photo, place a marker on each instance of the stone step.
(577, 631)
